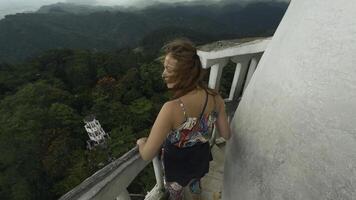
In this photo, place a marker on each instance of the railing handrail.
(103, 173)
(228, 49)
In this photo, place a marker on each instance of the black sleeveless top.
(182, 163)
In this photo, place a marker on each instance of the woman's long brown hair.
(188, 73)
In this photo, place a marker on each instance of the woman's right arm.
(221, 122)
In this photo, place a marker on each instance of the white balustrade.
(235, 81)
(239, 78)
(157, 166)
(251, 70)
(215, 74)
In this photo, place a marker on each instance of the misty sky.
(15, 6)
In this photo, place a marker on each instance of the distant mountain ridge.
(77, 8)
(104, 28)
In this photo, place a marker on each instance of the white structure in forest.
(96, 133)
(294, 131)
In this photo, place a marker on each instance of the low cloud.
(85, 2)
(17, 6)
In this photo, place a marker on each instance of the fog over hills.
(68, 25)
(19, 6)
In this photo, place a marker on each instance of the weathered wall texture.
(294, 133)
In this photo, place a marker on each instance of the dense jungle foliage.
(42, 106)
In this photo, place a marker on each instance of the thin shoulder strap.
(183, 108)
(206, 102)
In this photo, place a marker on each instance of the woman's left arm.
(150, 146)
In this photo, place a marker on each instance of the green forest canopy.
(43, 103)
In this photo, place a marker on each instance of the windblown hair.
(188, 73)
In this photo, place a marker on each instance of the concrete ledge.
(111, 180)
(216, 52)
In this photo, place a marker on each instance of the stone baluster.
(238, 82)
(252, 67)
(158, 172)
(214, 83)
(215, 74)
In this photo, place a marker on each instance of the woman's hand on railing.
(141, 141)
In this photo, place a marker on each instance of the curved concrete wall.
(294, 132)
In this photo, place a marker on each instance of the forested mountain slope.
(25, 35)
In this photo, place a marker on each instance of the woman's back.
(193, 104)
(194, 115)
(186, 152)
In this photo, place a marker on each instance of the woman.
(184, 124)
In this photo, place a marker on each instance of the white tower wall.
(294, 132)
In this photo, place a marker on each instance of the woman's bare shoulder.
(170, 105)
